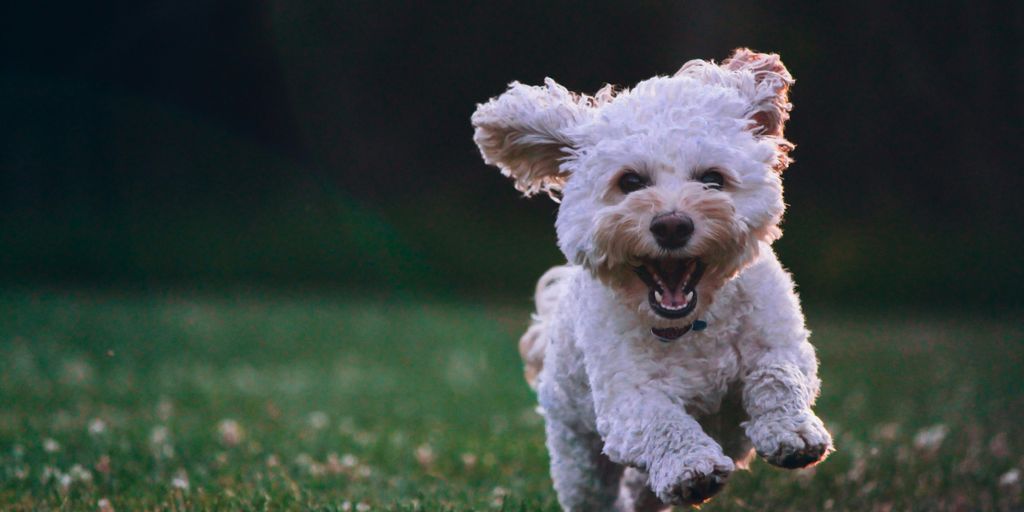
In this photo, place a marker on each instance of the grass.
(329, 402)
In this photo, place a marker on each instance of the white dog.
(673, 342)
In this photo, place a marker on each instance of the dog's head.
(667, 189)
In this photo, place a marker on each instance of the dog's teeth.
(689, 296)
(657, 296)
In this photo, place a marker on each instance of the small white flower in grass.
(1010, 478)
(104, 505)
(303, 460)
(318, 420)
(469, 460)
(159, 435)
(80, 474)
(498, 495)
(97, 427)
(346, 506)
(273, 461)
(21, 472)
(317, 470)
(231, 432)
(929, 439)
(160, 442)
(362, 507)
(310, 465)
(50, 445)
(64, 480)
(180, 480)
(425, 455)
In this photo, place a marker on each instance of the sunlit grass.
(257, 400)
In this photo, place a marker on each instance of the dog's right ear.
(525, 133)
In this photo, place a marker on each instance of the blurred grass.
(276, 400)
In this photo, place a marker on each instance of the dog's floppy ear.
(524, 133)
(771, 92)
(764, 81)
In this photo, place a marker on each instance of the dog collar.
(670, 334)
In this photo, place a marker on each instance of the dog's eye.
(713, 179)
(631, 182)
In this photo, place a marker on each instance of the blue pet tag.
(699, 325)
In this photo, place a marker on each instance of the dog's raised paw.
(700, 488)
(790, 441)
(795, 458)
(696, 486)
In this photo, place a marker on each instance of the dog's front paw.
(694, 480)
(790, 441)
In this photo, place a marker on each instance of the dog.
(672, 345)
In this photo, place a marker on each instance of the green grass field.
(328, 402)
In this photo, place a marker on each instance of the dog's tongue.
(674, 298)
(673, 275)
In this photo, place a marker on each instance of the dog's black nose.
(672, 230)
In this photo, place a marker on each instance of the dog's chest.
(698, 371)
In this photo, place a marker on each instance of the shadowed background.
(328, 143)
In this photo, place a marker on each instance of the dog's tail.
(534, 341)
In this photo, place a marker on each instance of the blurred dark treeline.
(327, 143)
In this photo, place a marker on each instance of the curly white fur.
(634, 423)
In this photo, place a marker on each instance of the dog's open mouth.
(672, 285)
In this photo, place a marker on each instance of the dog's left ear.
(525, 133)
(770, 94)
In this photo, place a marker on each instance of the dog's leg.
(644, 423)
(654, 433)
(584, 478)
(780, 375)
(645, 427)
(784, 430)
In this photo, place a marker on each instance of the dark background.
(325, 143)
